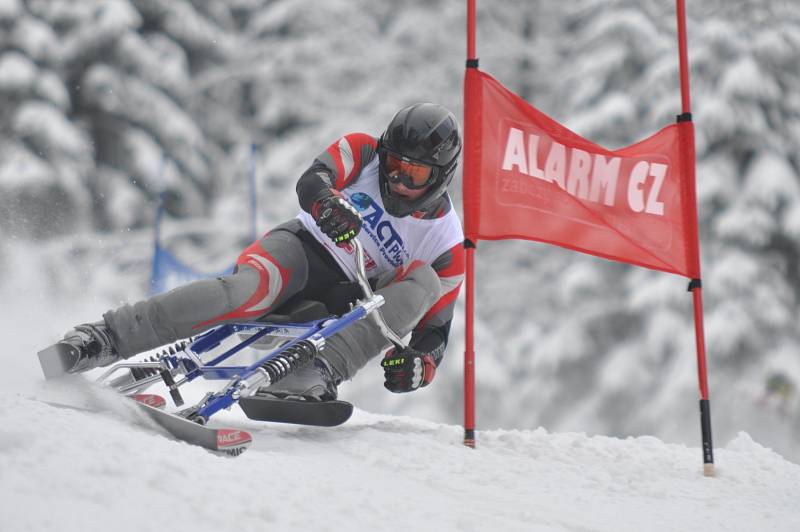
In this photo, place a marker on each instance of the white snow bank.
(71, 470)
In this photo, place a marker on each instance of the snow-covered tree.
(96, 92)
(44, 156)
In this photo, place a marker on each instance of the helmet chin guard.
(423, 133)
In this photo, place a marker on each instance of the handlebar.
(377, 317)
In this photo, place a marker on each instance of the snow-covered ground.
(70, 470)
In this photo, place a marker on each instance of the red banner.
(527, 176)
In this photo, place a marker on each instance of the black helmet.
(421, 145)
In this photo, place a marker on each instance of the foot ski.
(296, 411)
(231, 442)
(58, 359)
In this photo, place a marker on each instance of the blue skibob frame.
(316, 331)
(305, 341)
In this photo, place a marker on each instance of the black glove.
(337, 219)
(407, 370)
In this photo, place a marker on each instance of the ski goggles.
(412, 174)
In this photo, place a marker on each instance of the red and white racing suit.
(416, 262)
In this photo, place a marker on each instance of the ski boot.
(85, 347)
(316, 381)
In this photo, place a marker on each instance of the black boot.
(315, 381)
(92, 346)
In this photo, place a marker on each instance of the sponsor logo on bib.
(380, 229)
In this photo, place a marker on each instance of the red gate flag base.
(527, 176)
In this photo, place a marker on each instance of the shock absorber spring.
(143, 373)
(292, 358)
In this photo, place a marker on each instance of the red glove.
(407, 370)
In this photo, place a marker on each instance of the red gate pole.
(471, 29)
(469, 340)
(469, 352)
(695, 286)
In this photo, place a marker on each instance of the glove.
(407, 370)
(337, 219)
